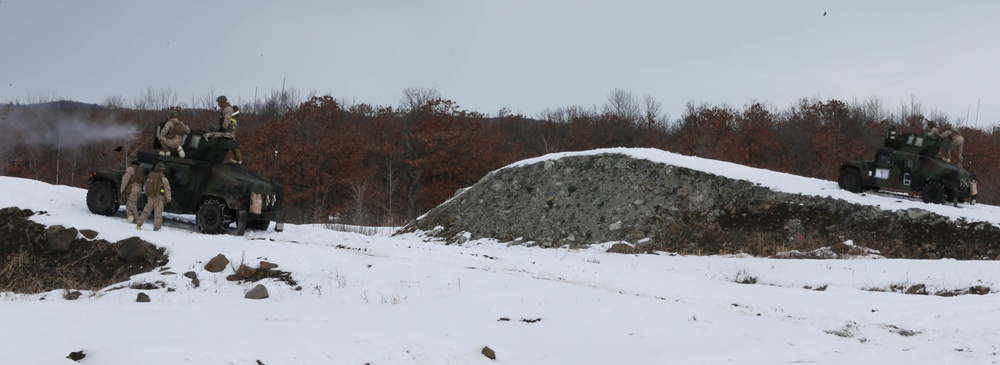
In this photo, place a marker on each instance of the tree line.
(384, 165)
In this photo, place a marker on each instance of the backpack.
(154, 184)
(137, 175)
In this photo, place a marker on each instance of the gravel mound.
(577, 201)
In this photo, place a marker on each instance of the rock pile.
(35, 258)
(583, 200)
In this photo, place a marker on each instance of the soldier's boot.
(974, 199)
(180, 152)
(238, 155)
(156, 228)
(130, 219)
(138, 227)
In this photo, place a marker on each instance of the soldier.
(157, 194)
(172, 135)
(227, 125)
(132, 185)
(955, 143)
(932, 129)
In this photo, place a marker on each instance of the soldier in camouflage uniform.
(157, 195)
(955, 144)
(131, 187)
(932, 130)
(172, 135)
(227, 125)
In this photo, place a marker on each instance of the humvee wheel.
(211, 217)
(850, 179)
(101, 198)
(933, 192)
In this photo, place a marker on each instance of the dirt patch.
(784, 228)
(29, 264)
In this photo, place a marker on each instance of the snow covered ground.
(399, 300)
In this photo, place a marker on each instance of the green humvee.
(217, 193)
(908, 163)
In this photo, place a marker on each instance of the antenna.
(977, 111)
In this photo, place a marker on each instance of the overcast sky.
(524, 55)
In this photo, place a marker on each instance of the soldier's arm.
(125, 179)
(227, 117)
(165, 129)
(166, 188)
(187, 130)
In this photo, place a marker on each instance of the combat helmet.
(222, 99)
(172, 113)
(133, 159)
(160, 167)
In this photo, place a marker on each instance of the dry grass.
(364, 230)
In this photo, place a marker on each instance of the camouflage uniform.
(132, 185)
(172, 136)
(155, 200)
(227, 125)
(955, 143)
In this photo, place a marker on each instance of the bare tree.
(388, 206)
(358, 209)
(205, 101)
(277, 104)
(415, 98)
(624, 106)
(156, 99)
(38, 97)
(565, 114)
(872, 110)
(114, 102)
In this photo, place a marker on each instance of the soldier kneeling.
(172, 135)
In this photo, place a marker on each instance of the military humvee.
(908, 163)
(217, 193)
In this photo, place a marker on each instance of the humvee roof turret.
(201, 183)
(908, 163)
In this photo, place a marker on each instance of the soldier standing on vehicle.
(131, 187)
(932, 129)
(157, 195)
(227, 125)
(172, 135)
(955, 143)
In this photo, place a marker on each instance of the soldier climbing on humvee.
(956, 144)
(227, 126)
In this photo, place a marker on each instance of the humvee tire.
(102, 198)
(850, 179)
(933, 192)
(211, 217)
